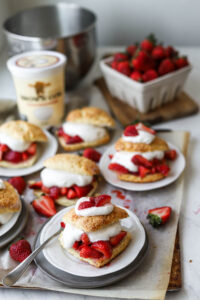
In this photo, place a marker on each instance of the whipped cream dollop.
(94, 210)
(13, 144)
(72, 234)
(87, 132)
(2, 185)
(5, 217)
(61, 178)
(123, 158)
(142, 137)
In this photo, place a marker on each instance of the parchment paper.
(150, 280)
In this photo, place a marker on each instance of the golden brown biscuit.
(91, 115)
(78, 146)
(9, 199)
(23, 131)
(94, 223)
(138, 179)
(98, 263)
(158, 144)
(72, 163)
(27, 163)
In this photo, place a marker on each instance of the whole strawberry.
(166, 66)
(20, 250)
(18, 183)
(158, 52)
(170, 52)
(181, 62)
(143, 62)
(136, 75)
(92, 154)
(124, 68)
(149, 75)
(120, 57)
(148, 43)
(131, 49)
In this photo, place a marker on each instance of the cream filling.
(87, 132)
(13, 144)
(142, 137)
(93, 211)
(61, 178)
(5, 217)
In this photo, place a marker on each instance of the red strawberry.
(82, 191)
(35, 185)
(104, 247)
(45, 206)
(32, 149)
(71, 193)
(163, 169)
(170, 154)
(120, 57)
(166, 66)
(24, 156)
(54, 192)
(60, 131)
(131, 49)
(20, 250)
(158, 52)
(170, 52)
(76, 245)
(13, 156)
(136, 75)
(143, 62)
(62, 224)
(19, 184)
(141, 126)
(181, 62)
(92, 154)
(158, 216)
(45, 189)
(63, 191)
(115, 240)
(130, 131)
(85, 239)
(73, 139)
(118, 168)
(143, 171)
(101, 200)
(87, 204)
(114, 64)
(149, 75)
(124, 68)
(139, 160)
(4, 148)
(88, 252)
(147, 44)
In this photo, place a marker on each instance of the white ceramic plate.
(64, 261)
(45, 150)
(176, 168)
(6, 227)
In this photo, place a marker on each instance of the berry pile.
(16, 157)
(148, 60)
(68, 138)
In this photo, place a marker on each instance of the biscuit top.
(9, 199)
(158, 144)
(93, 223)
(72, 163)
(23, 131)
(91, 115)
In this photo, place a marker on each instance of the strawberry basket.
(144, 96)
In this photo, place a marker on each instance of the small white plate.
(176, 168)
(45, 150)
(64, 261)
(6, 227)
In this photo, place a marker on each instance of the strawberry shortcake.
(93, 232)
(66, 178)
(84, 128)
(140, 155)
(18, 144)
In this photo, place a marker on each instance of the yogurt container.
(39, 82)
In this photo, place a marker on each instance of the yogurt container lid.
(34, 62)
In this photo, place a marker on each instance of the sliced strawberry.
(82, 191)
(24, 156)
(163, 169)
(115, 240)
(131, 131)
(143, 171)
(63, 191)
(87, 204)
(118, 168)
(60, 131)
(170, 154)
(32, 149)
(74, 139)
(71, 194)
(19, 184)
(62, 224)
(13, 156)
(158, 216)
(139, 160)
(101, 200)
(104, 247)
(92, 154)
(76, 245)
(35, 185)
(45, 206)
(45, 189)
(141, 126)
(85, 239)
(54, 192)
(4, 148)
(88, 252)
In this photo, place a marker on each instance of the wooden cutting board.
(182, 106)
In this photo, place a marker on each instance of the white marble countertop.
(190, 213)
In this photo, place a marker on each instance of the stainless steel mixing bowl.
(67, 28)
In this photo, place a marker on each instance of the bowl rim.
(37, 38)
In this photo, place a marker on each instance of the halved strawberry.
(87, 204)
(73, 139)
(85, 239)
(35, 185)
(170, 154)
(54, 192)
(71, 193)
(24, 156)
(104, 247)
(92, 154)
(45, 189)
(45, 206)
(4, 148)
(118, 168)
(139, 160)
(143, 171)
(141, 126)
(159, 215)
(131, 131)
(13, 156)
(88, 252)
(163, 169)
(63, 191)
(19, 184)
(82, 191)
(115, 240)
(101, 200)
(32, 149)
(60, 131)
(76, 245)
